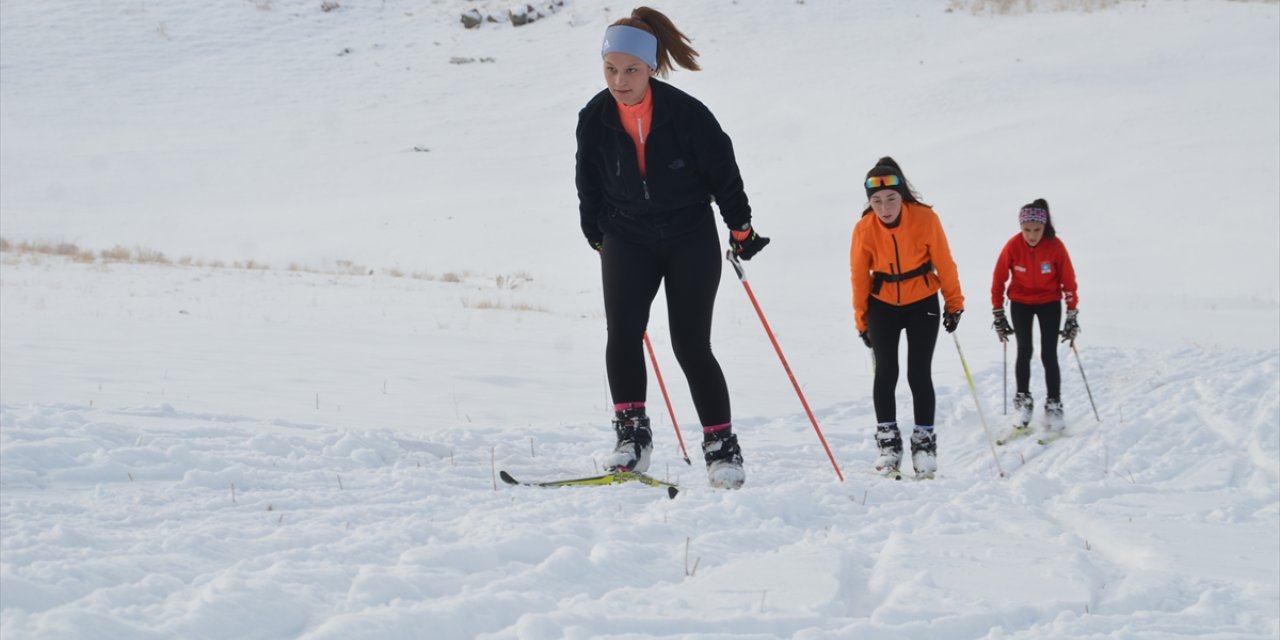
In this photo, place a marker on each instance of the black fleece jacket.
(690, 163)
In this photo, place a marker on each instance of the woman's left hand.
(1071, 328)
(746, 243)
(951, 320)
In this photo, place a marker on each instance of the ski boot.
(635, 442)
(1023, 405)
(924, 451)
(1054, 420)
(724, 460)
(889, 440)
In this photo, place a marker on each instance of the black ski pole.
(1080, 365)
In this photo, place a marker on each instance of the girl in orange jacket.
(899, 260)
(1042, 279)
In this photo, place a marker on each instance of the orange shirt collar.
(636, 120)
(643, 109)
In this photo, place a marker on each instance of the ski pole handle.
(737, 265)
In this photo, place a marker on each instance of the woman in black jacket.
(651, 159)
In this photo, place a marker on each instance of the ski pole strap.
(878, 278)
(737, 264)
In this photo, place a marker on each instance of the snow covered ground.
(207, 451)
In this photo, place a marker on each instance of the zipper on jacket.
(899, 265)
(617, 171)
(644, 182)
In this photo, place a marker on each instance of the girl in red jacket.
(1042, 279)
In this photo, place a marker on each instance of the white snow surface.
(200, 451)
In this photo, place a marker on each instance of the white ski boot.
(635, 442)
(1023, 406)
(889, 441)
(924, 451)
(1054, 419)
(724, 462)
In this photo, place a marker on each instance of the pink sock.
(715, 428)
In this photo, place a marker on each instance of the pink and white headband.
(1033, 214)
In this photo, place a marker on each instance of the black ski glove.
(951, 320)
(866, 337)
(1001, 325)
(746, 243)
(1071, 328)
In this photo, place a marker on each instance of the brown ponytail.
(673, 46)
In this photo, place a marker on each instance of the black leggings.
(688, 267)
(1050, 314)
(886, 323)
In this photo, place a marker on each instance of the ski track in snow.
(153, 520)
(199, 452)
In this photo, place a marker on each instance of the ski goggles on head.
(878, 182)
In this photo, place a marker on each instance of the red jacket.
(1041, 274)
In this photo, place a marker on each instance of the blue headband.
(630, 40)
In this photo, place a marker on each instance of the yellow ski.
(617, 477)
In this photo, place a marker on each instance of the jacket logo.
(676, 164)
(1046, 267)
(1019, 268)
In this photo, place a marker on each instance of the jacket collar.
(661, 93)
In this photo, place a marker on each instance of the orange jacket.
(917, 239)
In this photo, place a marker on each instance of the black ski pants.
(1050, 316)
(688, 267)
(886, 323)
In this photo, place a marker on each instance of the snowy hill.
(306, 447)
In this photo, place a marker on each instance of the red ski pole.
(742, 276)
(661, 385)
